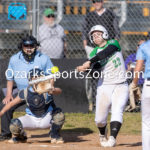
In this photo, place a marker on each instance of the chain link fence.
(133, 17)
(12, 30)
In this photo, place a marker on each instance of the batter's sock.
(102, 130)
(114, 128)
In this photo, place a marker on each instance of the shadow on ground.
(69, 135)
(131, 145)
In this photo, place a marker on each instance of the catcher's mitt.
(43, 87)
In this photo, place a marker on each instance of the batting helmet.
(100, 28)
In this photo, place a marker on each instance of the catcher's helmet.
(28, 41)
(36, 72)
(100, 28)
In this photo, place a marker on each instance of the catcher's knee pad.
(58, 117)
(16, 127)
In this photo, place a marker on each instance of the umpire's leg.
(6, 118)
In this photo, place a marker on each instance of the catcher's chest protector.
(38, 104)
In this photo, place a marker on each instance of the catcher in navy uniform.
(41, 111)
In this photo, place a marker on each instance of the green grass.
(84, 123)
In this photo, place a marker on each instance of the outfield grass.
(79, 122)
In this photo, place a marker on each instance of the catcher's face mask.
(28, 45)
(29, 49)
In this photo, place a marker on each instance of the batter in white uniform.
(112, 89)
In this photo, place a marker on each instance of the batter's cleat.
(103, 138)
(58, 140)
(110, 143)
(15, 140)
(5, 137)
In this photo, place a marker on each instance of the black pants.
(6, 118)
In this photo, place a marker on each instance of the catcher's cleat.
(5, 137)
(58, 140)
(15, 140)
(110, 143)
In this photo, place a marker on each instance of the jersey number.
(116, 62)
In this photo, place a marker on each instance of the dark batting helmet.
(31, 42)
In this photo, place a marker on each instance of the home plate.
(55, 146)
(43, 145)
(38, 145)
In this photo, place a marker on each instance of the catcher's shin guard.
(17, 129)
(55, 131)
(57, 123)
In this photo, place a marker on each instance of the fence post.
(34, 17)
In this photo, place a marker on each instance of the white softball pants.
(146, 117)
(110, 96)
(31, 122)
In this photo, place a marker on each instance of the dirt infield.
(38, 140)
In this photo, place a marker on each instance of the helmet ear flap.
(105, 36)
